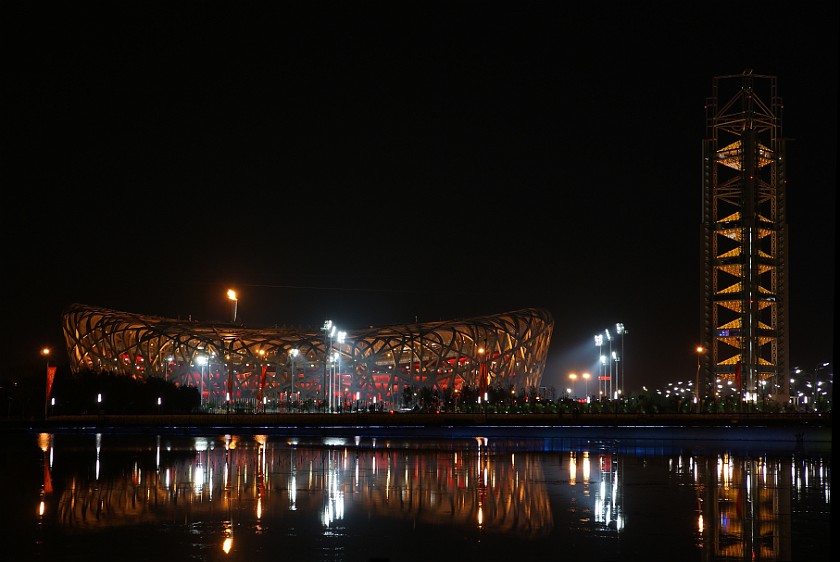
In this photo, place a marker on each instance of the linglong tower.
(744, 240)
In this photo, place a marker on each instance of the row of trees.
(97, 393)
(506, 400)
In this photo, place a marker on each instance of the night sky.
(385, 163)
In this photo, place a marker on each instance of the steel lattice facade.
(744, 237)
(248, 364)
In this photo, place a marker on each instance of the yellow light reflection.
(586, 465)
(227, 543)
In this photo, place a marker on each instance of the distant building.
(251, 366)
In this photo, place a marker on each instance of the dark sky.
(381, 163)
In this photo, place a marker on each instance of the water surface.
(83, 496)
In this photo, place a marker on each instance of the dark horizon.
(381, 165)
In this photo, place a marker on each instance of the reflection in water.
(462, 485)
(496, 487)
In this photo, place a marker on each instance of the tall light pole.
(609, 365)
(619, 329)
(599, 341)
(586, 385)
(604, 378)
(329, 332)
(201, 360)
(50, 376)
(229, 389)
(616, 360)
(337, 387)
(334, 366)
(700, 349)
(293, 355)
(231, 294)
(166, 368)
(263, 370)
(573, 377)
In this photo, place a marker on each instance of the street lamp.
(615, 361)
(599, 341)
(336, 386)
(816, 384)
(329, 332)
(619, 329)
(293, 355)
(231, 294)
(166, 368)
(609, 366)
(263, 370)
(50, 375)
(573, 377)
(604, 378)
(700, 350)
(334, 358)
(201, 360)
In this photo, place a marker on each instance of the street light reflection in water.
(365, 498)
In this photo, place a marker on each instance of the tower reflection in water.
(232, 486)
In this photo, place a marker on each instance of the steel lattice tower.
(744, 239)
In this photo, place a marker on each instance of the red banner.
(50, 379)
(483, 378)
(738, 377)
(262, 384)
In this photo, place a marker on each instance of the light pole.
(263, 370)
(166, 368)
(333, 368)
(231, 294)
(599, 341)
(201, 360)
(50, 375)
(586, 385)
(700, 349)
(604, 378)
(337, 386)
(573, 378)
(619, 329)
(293, 354)
(616, 359)
(815, 384)
(329, 332)
(609, 365)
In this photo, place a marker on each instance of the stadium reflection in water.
(267, 497)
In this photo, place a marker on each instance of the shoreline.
(789, 428)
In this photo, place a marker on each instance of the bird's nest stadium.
(259, 368)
